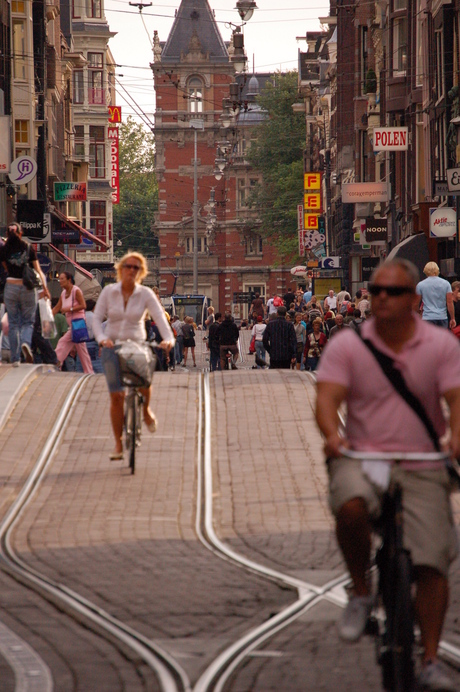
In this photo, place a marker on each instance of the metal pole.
(195, 216)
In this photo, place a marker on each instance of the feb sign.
(391, 138)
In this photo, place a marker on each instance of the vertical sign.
(300, 217)
(302, 243)
(112, 134)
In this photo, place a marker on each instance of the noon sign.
(391, 138)
(442, 222)
(376, 231)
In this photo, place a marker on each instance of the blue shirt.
(433, 291)
(307, 296)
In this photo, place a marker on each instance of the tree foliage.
(133, 216)
(277, 151)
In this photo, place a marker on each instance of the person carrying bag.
(72, 304)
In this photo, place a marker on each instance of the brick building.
(193, 71)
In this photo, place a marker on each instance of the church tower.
(193, 70)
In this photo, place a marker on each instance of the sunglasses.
(392, 291)
(132, 266)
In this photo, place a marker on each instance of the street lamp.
(238, 58)
(196, 124)
(246, 9)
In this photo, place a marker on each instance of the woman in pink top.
(72, 304)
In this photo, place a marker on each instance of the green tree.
(277, 151)
(133, 216)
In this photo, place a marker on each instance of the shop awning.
(62, 217)
(75, 264)
(415, 249)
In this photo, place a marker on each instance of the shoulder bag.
(30, 277)
(78, 327)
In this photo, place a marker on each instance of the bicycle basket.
(137, 363)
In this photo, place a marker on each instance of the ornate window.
(195, 95)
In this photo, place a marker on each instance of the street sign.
(243, 297)
(453, 179)
(330, 263)
(391, 138)
(23, 170)
(443, 221)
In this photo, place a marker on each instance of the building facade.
(194, 71)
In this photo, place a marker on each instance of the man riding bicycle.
(379, 419)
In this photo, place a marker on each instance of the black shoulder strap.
(398, 382)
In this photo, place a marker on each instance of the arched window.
(195, 95)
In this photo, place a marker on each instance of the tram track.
(171, 676)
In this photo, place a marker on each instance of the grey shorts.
(429, 531)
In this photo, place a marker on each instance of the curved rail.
(171, 676)
(308, 595)
(216, 675)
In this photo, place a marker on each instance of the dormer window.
(195, 95)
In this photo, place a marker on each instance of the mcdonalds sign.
(114, 114)
(112, 134)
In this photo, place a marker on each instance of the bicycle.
(137, 367)
(395, 632)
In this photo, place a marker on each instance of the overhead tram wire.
(144, 117)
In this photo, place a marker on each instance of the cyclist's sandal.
(116, 456)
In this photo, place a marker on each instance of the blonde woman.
(188, 331)
(124, 305)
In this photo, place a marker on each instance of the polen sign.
(391, 138)
(443, 221)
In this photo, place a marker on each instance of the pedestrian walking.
(20, 302)
(188, 332)
(279, 339)
(177, 325)
(316, 341)
(436, 295)
(257, 334)
(257, 308)
(72, 304)
(229, 335)
(338, 327)
(301, 336)
(214, 343)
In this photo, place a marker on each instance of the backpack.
(277, 302)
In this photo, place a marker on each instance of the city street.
(137, 547)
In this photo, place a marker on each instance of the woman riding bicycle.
(124, 306)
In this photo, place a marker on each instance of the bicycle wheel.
(397, 660)
(130, 427)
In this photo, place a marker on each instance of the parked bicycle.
(395, 631)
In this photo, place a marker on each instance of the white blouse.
(128, 323)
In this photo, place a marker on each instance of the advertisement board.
(443, 221)
(30, 216)
(391, 138)
(376, 231)
(70, 192)
(112, 134)
(364, 192)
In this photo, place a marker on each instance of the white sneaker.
(433, 677)
(355, 617)
(27, 353)
(15, 364)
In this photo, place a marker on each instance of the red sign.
(112, 134)
(114, 114)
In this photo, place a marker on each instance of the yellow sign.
(312, 181)
(310, 221)
(312, 201)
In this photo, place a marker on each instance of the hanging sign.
(443, 221)
(391, 138)
(112, 133)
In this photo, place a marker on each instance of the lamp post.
(196, 124)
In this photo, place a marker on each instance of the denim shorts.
(111, 367)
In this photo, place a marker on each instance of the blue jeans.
(179, 349)
(439, 323)
(260, 351)
(21, 305)
(214, 360)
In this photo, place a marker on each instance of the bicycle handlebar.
(395, 456)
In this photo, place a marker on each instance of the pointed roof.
(194, 20)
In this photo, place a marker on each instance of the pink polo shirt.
(378, 419)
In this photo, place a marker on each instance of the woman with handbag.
(18, 257)
(124, 306)
(72, 304)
